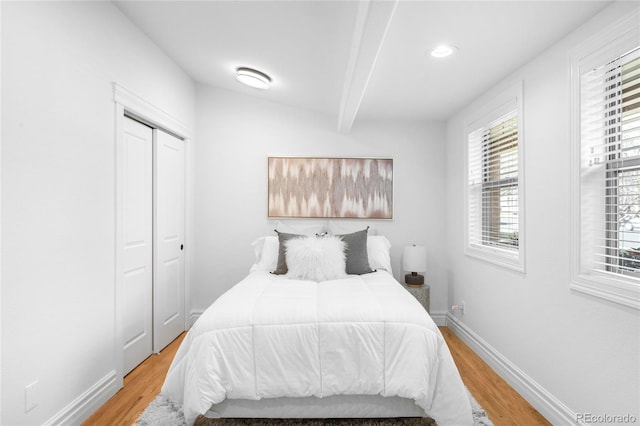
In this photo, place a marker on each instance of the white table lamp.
(414, 260)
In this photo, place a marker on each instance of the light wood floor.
(503, 404)
(141, 386)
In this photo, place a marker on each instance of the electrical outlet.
(31, 396)
(460, 308)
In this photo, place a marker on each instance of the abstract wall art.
(305, 187)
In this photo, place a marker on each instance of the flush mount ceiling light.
(253, 78)
(443, 51)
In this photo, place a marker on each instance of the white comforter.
(270, 337)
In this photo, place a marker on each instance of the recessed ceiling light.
(253, 78)
(443, 51)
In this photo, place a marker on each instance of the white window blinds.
(494, 185)
(610, 164)
(493, 181)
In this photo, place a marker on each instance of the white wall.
(58, 62)
(0, 217)
(582, 350)
(237, 133)
(58, 189)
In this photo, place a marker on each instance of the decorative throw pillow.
(301, 227)
(283, 237)
(378, 247)
(316, 258)
(357, 257)
(349, 226)
(266, 251)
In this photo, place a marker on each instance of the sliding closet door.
(168, 305)
(137, 243)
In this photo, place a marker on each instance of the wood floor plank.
(141, 386)
(502, 403)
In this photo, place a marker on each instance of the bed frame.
(337, 406)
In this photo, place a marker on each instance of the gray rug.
(165, 412)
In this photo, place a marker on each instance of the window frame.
(624, 289)
(506, 103)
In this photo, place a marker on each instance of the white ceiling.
(358, 59)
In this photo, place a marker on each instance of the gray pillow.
(283, 237)
(356, 250)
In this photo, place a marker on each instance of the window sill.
(614, 290)
(503, 258)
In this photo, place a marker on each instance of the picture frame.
(327, 187)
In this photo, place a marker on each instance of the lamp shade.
(414, 258)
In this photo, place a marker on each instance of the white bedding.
(271, 337)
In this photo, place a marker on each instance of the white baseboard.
(88, 402)
(542, 400)
(439, 317)
(193, 317)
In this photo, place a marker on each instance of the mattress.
(272, 337)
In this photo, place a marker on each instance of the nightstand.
(421, 293)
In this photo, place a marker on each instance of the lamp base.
(414, 279)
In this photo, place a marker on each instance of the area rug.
(164, 412)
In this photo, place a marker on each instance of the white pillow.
(266, 251)
(316, 258)
(341, 228)
(304, 228)
(378, 248)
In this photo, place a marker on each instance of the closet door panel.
(137, 243)
(169, 312)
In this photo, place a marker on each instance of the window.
(607, 170)
(621, 152)
(494, 186)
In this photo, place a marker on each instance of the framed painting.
(307, 187)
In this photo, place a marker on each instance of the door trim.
(128, 103)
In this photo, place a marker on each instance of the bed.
(297, 345)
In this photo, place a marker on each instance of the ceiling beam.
(372, 21)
